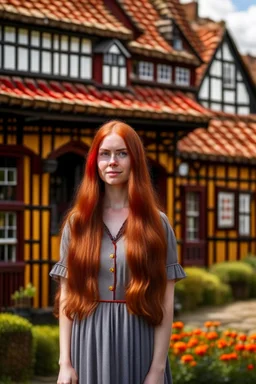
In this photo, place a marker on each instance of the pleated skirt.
(113, 347)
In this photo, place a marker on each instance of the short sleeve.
(173, 269)
(60, 268)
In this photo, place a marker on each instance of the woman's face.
(114, 162)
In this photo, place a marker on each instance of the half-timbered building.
(67, 67)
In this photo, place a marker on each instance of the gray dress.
(112, 346)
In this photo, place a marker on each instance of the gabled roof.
(140, 102)
(105, 46)
(90, 16)
(94, 17)
(231, 138)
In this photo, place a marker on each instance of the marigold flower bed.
(212, 356)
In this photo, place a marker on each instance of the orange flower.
(227, 333)
(175, 337)
(233, 334)
(208, 324)
(253, 336)
(216, 323)
(178, 325)
(212, 335)
(180, 346)
(221, 343)
(187, 358)
(228, 356)
(250, 367)
(197, 331)
(224, 357)
(193, 363)
(201, 350)
(233, 356)
(239, 347)
(192, 342)
(242, 337)
(250, 347)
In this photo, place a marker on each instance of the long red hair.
(144, 235)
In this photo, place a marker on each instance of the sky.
(240, 17)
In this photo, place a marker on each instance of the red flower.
(192, 342)
(239, 347)
(250, 347)
(187, 358)
(175, 337)
(178, 325)
(221, 343)
(242, 337)
(250, 367)
(212, 335)
(201, 350)
(180, 346)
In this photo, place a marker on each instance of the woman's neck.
(116, 197)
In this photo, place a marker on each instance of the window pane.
(23, 59)
(63, 64)
(23, 36)
(74, 45)
(56, 60)
(2, 233)
(9, 57)
(35, 39)
(46, 62)
(46, 40)
(244, 203)
(56, 43)
(34, 60)
(64, 43)
(2, 177)
(7, 192)
(86, 46)
(74, 66)
(114, 79)
(9, 34)
(121, 60)
(86, 67)
(11, 175)
(122, 76)
(106, 74)
(244, 225)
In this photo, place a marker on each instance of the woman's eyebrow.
(117, 150)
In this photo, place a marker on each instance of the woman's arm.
(67, 373)
(162, 339)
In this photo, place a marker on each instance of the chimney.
(191, 10)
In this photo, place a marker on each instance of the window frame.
(180, 74)
(244, 214)
(164, 80)
(52, 50)
(114, 64)
(142, 64)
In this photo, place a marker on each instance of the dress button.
(111, 288)
(112, 256)
(112, 270)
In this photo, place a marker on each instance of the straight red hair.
(145, 238)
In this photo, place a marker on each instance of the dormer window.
(182, 76)
(177, 42)
(115, 55)
(229, 75)
(146, 70)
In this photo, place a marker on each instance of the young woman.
(117, 268)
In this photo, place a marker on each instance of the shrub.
(16, 348)
(251, 260)
(47, 349)
(211, 356)
(202, 288)
(237, 274)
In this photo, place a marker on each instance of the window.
(182, 76)
(146, 70)
(226, 210)
(8, 179)
(45, 53)
(114, 68)
(164, 73)
(228, 75)
(192, 216)
(177, 41)
(244, 214)
(8, 236)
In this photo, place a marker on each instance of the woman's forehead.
(113, 141)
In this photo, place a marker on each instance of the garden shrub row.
(26, 350)
(222, 283)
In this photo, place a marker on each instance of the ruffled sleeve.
(60, 268)
(173, 269)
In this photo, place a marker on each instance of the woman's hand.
(154, 378)
(67, 374)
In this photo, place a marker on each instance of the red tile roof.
(146, 14)
(141, 101)
(210, 35)
(250, 62)
(91, 16)
(234, 139)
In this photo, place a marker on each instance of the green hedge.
(239, 275)
(201, 288)
(16, 348)
(47, 349)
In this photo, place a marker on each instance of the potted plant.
(23, 297)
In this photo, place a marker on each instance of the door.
(194, 224)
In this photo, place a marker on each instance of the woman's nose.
(113, 159)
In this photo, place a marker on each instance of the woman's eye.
(105, 153)
(122, 154)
